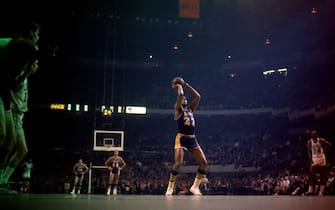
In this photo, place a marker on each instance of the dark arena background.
(265, 72)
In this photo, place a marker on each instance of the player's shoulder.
(3, 55)
(323, 140)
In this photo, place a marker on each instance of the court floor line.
(161, 202)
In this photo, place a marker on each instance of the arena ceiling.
(234, 36)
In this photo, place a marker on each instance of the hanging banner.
(189, 8)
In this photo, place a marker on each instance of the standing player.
(79, 170)
(316, 148)
(22, 62)
(114, 164)
(185, 138)
(27, 168)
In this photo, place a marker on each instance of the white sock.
(196, 182)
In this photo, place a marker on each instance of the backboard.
(106, 140)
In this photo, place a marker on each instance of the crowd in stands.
(259, 141)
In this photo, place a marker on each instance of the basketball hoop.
(109, 147)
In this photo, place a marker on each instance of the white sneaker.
(114, 191)
(108, 193)
(72, 192)
(195, 191)
(78, 192)
(169, 191)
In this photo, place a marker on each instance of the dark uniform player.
(21, 61)
(114, 164)
(79, 170)
(185, 138)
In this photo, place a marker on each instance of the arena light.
(282, 70)
(57, 106)
(107, 111)
(267, 41)
(120, 109)
(103, 107)
(268, 72)
(69, 107)
(314, 11)
(85, 108)
(136, 110)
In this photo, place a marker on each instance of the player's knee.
(22, 152)
(174, 172)
(177, 165)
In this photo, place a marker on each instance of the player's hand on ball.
(177, 81)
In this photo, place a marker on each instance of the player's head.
(116, 152)
(29, 30)
(314, 134)
(22, 54)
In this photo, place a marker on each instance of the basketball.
(178, 80)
